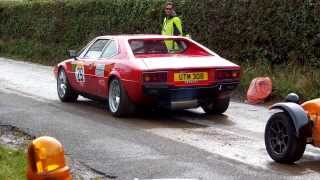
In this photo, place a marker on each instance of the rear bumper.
(187, 97)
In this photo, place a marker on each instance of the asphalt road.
(179, 144)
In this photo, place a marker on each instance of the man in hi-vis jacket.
(172, 25)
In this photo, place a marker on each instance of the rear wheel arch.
(111, 77)
(118, 76)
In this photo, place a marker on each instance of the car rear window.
(157, 46)
(164, 46)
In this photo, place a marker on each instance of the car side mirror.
(73, 54)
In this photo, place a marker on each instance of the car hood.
(186, 62)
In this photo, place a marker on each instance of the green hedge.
(42, 30)
(249, 32)
(277, 31)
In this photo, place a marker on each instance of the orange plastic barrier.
(259, 89)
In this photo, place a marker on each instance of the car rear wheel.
(217, 106)
(118, 100)
(65, 91)
(281, 141)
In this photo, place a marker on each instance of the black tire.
(65, 91)
(125, 107)
(217, 106)
(281, 141)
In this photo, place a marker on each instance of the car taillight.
(227, 74)
(154, 77)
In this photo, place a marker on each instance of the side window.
(110, 50)
(96, 48)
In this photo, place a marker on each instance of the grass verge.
(302, 80)
(12, 163)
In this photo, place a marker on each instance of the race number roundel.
(79, 72)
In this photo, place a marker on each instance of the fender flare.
(113, 74)
(61, 65)
(297, 115)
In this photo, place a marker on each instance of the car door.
(85, 66)
(104, 66)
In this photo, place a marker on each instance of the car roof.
(138, 36)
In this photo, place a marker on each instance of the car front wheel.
(281, 141)
(118, 100)
(65, 91)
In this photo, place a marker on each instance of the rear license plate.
(194, 76)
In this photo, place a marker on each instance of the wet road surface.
(179, 144)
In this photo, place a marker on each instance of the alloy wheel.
(62, 84)
(278, 137)
(114, 95)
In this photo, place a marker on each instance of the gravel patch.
(15, 138)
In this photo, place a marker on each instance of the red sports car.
(148, 70)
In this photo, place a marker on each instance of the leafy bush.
(280, 31)
(273, 32)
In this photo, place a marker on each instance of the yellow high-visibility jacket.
(172, 27)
